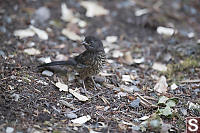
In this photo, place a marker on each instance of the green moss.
(56, 131)
(176, 70)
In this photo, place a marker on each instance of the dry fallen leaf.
(161, 85)
(81, 120)
(67, 14)
(32, 51)
(78, 95)
(71, 35)
(94, 9)
(41, 33)
(62, 87)
(128, 58)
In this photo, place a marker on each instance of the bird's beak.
(85, 43)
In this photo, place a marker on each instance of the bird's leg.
(84, 89)
(83, 82)
(95, 86)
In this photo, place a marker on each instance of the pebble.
(9, 130)
(183, 111)
(198, 41)
(71, 115)
(32, 51)
(15, 96)
(31, 44)
(166, 31)
(47, 73)
(191, 35)
(111, 39)
(42, 14)
(3, 29)
(135, 103)
(45, 59)
(2, 54)
(174, 86)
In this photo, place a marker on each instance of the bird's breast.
(94, 64)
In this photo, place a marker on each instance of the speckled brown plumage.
(90, 62)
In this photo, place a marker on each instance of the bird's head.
(93, 44)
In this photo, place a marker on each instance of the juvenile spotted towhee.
(87, 64)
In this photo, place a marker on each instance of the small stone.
(61, 57)
(23, 33)
(45, 59)
(166, 31)
(191, 35)
(99, 79)
(174, 86)
(183, 111)
(31, 51)
(42, 14)
(3, 29)
(135, 103)
(71, 115)
(141, 12)
(82, 23)
(159, 67)
(139, 60)
(2, 54)
(117, 54)
(121, 94)
(9, 130)
(167, 57)
(31, 44)
(13, 77)
(198, 41)
(126, 78)
(47, 73)
(111, 39)
(15, 96)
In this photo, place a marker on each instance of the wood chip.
(161, 85)
(78, 95)
(191, 81)
(62, 87)
(81, 120)
(93, 9)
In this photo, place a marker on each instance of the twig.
(191, 81)
(144, 101)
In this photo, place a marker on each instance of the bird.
(87, 64)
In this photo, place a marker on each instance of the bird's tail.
(55, 63)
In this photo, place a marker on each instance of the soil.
(30, 102)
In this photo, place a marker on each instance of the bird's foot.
(94, 83)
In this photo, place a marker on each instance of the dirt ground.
(126, 99)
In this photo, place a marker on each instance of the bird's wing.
(83, 60)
